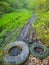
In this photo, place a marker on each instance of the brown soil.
(35, 61)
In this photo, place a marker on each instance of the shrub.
(4, 7)
(39, 5)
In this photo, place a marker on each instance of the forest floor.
(35, 61)
(16, 23)
(29, 34)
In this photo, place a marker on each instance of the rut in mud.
(25, 34)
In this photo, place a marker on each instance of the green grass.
(11, 25)
(42, 27)
(41, 10)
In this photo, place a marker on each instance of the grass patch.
(42, 27)
(41, 10)
(11, 25)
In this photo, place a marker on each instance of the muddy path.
(25, 33)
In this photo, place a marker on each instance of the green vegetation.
(42, 21)
(13, 17)
(42, 27)
(4, 8)
(11, 24)
(40, 6)
(14, 14)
